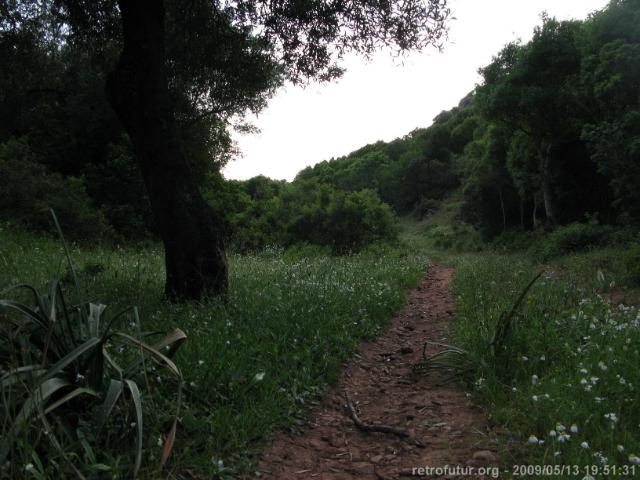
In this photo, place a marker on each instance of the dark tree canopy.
(177, 74)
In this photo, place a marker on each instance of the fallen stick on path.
(367, 427)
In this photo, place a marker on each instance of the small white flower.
(533, 439)
(560, 428)
(28, 467)
(584, 445)
(602, 366)
(601, 458)
(525, 358)
(574, 428)
(588, 477)
(620, 448)
(553, 433)
(534, 379)
(160, 442)
(200, 362)
(583, 381)
(543, 358)
(534, 398)
(611, 416)
(633, 458)
(259, 376)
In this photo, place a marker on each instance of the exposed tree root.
(367, 427)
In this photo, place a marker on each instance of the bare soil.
(444, 428)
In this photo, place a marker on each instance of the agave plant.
(69, 379)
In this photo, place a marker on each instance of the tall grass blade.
(66, 252)
(137, 402)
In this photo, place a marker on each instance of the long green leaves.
(63, 401)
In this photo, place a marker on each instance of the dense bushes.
(28, 190)
(257, 212)
(266, 212)
(571, 238)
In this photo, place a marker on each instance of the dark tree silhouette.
(307, 38)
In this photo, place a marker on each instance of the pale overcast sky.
(383, 99)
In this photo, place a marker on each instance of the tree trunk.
(535, 211)
(547, 191)
(196, 264)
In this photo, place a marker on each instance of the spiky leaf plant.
(72, 385)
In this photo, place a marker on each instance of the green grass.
(252, 364)
(570, 359)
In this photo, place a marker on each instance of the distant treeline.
(550, 137)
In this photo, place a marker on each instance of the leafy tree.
(610, 80)
(530, 88)
(219, 59)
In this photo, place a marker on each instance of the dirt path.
(445, 427)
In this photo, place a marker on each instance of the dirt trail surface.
(443, 427)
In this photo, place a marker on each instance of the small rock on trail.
(443, 427)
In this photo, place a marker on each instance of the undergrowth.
(252, 364)
(567, 394)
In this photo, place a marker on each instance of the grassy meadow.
(251, 364)
(558, 378)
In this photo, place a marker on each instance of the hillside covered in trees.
(550, 136)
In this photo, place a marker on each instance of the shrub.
(28, 190)
(307, 212)
(571, 238)
(354, 220)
